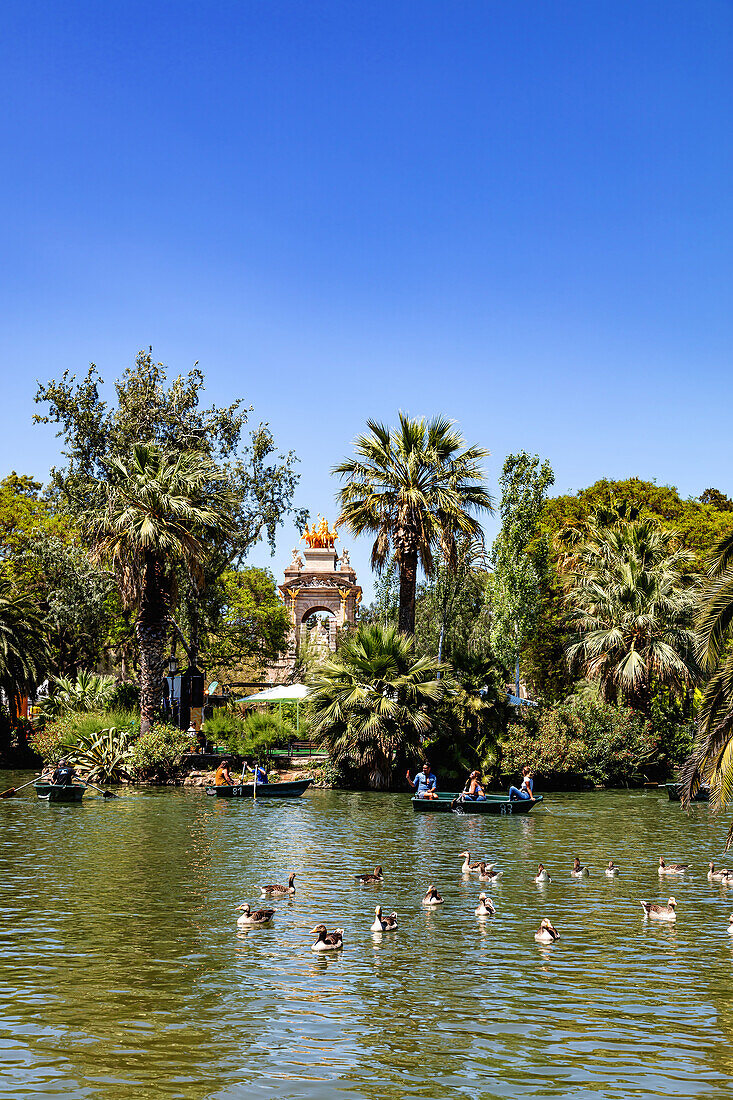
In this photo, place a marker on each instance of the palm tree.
(24, 648)
(712, 757)
(371, 702)
(413, 487)
(162, 513)
(631, 603)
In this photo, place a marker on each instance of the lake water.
(123, 973)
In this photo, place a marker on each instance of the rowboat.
(702, 794)
(60, 792)
(494, 804)
(264, 790)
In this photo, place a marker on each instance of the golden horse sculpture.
(319, 538)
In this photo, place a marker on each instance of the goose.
(485, 907)
(579, 871)
(730, 924)
(546, 933)
(279, 891)
(723, 875)
(672, 868)
(486, 872)
(371, 876)
(327, 941)
(384, 924)
(611, 870)
(542, 875)
(657, 911)
(249, 919)
(432, 897)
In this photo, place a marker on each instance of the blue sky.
(516, 214)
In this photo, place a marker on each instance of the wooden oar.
(106, 794)
(14, 790)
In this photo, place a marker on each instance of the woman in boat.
(527, 788)
(223, 776)
(474, 792)
(424, 782)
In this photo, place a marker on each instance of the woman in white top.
(527, 788)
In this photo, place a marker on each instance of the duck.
(327, 941)
(371, 876)
(485, 907)
(277, 891)
(467, 866)
(249, 919)
(486, 872)
(723, 875)
(432, 897)
(384, 924)
(546, 933)
(542, 875)
(612, 870)
(730, 925)
(657, 911)
(579, 871)
(672, 868)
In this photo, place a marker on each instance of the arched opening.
(318, 628)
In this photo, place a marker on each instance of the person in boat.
(259, 774)
(527, 788)
(474, 790)
(64, 775)
(424, 783)
(223, 775)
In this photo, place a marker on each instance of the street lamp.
(172, 665)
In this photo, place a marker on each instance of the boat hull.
(264, 790)
(494, 804)
(673, 790)
(52, 792)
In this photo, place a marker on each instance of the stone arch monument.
(317, 580)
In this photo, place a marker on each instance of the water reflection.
(123, 973)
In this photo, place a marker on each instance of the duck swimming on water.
(542, 875)
(672, 868)
(277, 891)
(371, 876)
(432, 897)
(485, 907)
(657, 911)
(486, 872)
(384, 924)
(327, 941)
(721, 875)
(249, 919)
(611, 870)
(467, 866)
(546, 933)
(578, 870)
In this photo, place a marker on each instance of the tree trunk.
(408, 584)
(151, 629)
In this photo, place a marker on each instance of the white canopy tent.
(281, 693)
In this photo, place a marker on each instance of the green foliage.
(413, 487)
(582, 740)
(520, 555)
(470, 720)
(158, 752)
(24, 651)
(89, 692)
(56, 738)
(630, 603)
(372, 702)
(250, 625)
(453, 609)
(105, 756)
(126, 696)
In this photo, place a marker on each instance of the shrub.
(258, 734)
(126, 696)
(106, 755)
(89, 692)
(158, 752)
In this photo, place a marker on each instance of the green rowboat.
(673, 790)
(59, 792)
(493, 804)
(264, 790)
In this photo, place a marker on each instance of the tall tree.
(712, 757)
(631, 604)
(158, 514)
(371, 703)
(520, 556)
(24, 650)
(414, 487)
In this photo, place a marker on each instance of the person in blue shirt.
(424, 782)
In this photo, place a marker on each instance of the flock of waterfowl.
(485, 872)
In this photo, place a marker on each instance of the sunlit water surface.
(123, 973)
